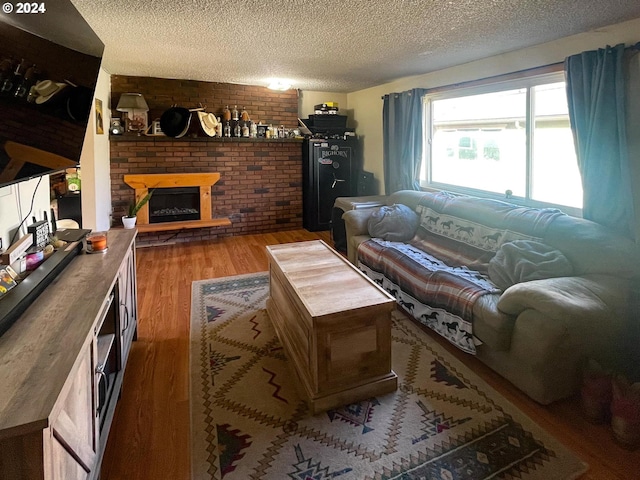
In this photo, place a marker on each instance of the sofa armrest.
(562, 321)
(568, 299)
(356, 224)
(592, 311)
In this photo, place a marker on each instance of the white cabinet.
(127, 289)
(72, 434)
(62, 367)
(74, 427)
(64, 466)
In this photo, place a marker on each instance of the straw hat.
(46, 89)
(208, 121)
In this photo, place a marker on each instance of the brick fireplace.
(260, 185)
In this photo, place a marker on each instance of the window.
(510, 138)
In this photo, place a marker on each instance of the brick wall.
(262, 104)
(260, 188)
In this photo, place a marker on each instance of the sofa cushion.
(395, 223)
(525, 260)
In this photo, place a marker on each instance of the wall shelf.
(166, 226)
(128, 137)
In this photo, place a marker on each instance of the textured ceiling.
(330, 45)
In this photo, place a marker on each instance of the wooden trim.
(165, 226)
(143, 182)
(169, 180)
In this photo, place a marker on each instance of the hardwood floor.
(149, 437)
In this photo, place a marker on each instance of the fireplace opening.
(174, 204)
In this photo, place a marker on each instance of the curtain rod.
(552, 67)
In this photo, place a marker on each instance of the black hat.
(79, 103)
(175, 122)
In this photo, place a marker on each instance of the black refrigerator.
(329, 170)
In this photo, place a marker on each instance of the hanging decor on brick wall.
(263, 105)
(260, 186)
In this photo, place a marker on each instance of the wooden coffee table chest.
(333, 322)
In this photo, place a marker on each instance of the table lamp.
(135, 108)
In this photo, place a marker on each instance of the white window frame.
(492, 87)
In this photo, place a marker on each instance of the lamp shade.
(132, 101)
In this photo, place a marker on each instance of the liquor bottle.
(244, 115)
(6, 70)
(226, 113)
(237, 131)
(234, 113)
(253, 130)
(227, 130)
(245, 130)
(28, 81)
(18, 78)
(219, 128)
(9, 82)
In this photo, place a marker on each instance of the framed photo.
(99, 124)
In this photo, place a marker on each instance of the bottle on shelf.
(244, 116)
(6, 70)
(237, 131)
(9, 82)
(253, 130)
(245, 129)
(227, 129)
(226, 113)
(28, 81)
(234, 113)
(219, 128)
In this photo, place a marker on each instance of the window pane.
(556, 178)
(479, 141)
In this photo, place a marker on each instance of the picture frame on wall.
(99, 122)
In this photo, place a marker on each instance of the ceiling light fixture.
(279, 84)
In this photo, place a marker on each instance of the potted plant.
(129, 220)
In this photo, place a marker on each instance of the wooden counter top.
(42, 347)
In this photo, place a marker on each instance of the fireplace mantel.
(142, 183)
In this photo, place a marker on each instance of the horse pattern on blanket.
(439, 296)
(459, 241)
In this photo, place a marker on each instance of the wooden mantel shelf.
(142, 183)
(168, 180)
(166, 226)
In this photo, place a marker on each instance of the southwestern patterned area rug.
(443, 422)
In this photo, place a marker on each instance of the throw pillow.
(396, 223)
(525, 260)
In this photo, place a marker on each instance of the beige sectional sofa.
(560, 293)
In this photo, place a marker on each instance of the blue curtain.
(596, 95)
(402, 138)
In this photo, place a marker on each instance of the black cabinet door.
(334, 180)
(329, 171)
